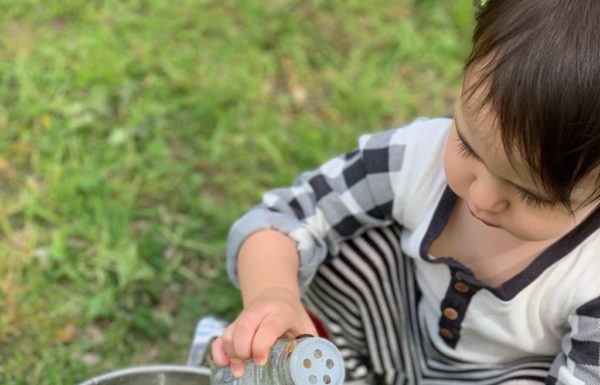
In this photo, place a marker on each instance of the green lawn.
(134, 132)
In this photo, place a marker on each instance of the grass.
(134, 132)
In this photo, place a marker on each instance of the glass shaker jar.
(306, 360)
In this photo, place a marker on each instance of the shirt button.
(461, 287)
(451, 313)
(446, 334)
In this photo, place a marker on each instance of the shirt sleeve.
(579, 362)
(337, 201)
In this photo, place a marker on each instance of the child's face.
(496, 192)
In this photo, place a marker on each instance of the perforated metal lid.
(316, 361)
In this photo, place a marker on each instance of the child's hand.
(273, 313)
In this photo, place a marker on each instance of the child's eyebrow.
(476, 156)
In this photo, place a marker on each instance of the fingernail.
(237, 370)
(305, 335)
(261, 361)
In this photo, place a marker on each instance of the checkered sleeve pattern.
(337, 201)
(580, 362)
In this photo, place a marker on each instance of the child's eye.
(464, 150)
(533, 201)
(529, 199)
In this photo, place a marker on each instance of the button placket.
(461, 287)
(454, 306)
(451, 313)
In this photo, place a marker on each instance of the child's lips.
(484, 222)
(488, 224)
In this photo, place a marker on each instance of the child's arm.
(579, 362)
(268, 270)
(334, 202)
(362, 189)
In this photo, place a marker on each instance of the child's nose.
(486, 196)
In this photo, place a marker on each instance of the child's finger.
(243, 334)
(306, 327)
(227, 341)
(270, 329)
(263, 340)
(218, 353)
(237, 367)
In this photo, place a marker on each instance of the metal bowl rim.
(147, 369)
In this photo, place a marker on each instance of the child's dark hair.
(538, 65)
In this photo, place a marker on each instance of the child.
(450, 251)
